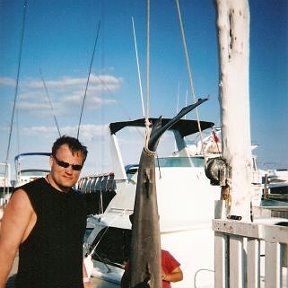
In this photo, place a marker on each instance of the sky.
(46, 59)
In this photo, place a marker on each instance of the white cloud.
(6, 81)
(87, 132)
(101, 82)
(65, 94)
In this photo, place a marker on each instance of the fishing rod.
(50, 103)
(88, 78)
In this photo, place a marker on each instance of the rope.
(196, 274)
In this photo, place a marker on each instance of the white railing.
(250, 255)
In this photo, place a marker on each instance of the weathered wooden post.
(233, 39)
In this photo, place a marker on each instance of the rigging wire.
(17, 79)
(188, 65)
(178, 96)
(138, 69)
(88, 78)
(50, 103)
(147, 123)
(92, 250)
(148, 61)
(140, 85)
(186, 51)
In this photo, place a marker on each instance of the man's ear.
(51, 160)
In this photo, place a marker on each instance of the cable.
(17, 79)
(188, 67)
(200, 270)
(87, 83)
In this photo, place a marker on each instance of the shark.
(145, 253)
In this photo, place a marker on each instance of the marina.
(179, 182)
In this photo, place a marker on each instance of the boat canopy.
(184, 126)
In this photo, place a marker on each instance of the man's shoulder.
(31, 188)
(35, 183)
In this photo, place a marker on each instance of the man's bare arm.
(17, 222)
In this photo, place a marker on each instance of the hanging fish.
(145, 255)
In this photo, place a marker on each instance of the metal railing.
(250, 255)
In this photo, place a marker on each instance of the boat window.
(113, 246)
(88, 231)
(131, 169)
(180, 162)
(34, 172)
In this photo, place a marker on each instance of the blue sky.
(59, 36)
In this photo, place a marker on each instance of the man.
(46, 219)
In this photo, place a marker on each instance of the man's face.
(65, 177)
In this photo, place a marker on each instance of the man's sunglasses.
(76, 167)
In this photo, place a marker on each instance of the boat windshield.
(180, 162)
(34, 173)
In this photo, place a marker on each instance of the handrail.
(251, 255)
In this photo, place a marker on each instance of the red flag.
(215, 137)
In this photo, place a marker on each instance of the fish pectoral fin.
(147, 182)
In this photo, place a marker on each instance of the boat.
(5, 179)
(185, 202)
(276, 184)
(103, 185)
(275, 192)
(27, 171)
(5, 185)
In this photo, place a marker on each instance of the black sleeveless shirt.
(51, 256)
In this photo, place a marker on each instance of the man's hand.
(88, 285)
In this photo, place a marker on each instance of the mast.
(233, 40)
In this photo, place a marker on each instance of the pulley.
(216, 171)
